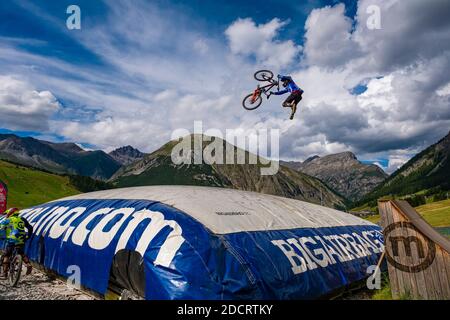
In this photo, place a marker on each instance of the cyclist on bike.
(295, 96)
(16, 236)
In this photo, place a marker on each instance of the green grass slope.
(29, 187)
(437, 214)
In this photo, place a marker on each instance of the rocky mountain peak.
(346, 156)
(66, 147)
(311, 159)
(343, 172)
(126, 155)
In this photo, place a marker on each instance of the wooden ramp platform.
(418, 256)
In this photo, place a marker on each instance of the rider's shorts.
(294, 96)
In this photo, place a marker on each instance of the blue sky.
(137, 70)
(44, 21)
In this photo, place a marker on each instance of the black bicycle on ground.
(254, 100)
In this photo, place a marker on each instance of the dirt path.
(38, 286)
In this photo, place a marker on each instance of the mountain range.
(333, 180)
(57, 157)
(157, 168)
(128, 166)
(343, 173)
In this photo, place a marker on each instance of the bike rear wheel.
(263, 75)
(249, 105)
(15, 269)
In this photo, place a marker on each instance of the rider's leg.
(21, 251)
(28, 264)
(288, 102)
(295, 102)
(294, 109)
(8, 252)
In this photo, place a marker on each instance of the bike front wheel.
(248, 104)
(15, 269)
(263, 75)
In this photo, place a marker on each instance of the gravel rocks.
(38, 286)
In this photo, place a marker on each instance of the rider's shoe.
(29, 269)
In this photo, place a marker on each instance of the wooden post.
(418, 256)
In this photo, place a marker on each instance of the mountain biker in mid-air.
(295, 96)
(16, 236)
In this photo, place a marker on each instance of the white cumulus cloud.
(328, 36)
(260, 41)
(24, 108)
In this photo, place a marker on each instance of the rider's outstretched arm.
(277, 93)
(28, 226)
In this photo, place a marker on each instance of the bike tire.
(263, 75)
(246, 103)
(1, 264)
(15, 269)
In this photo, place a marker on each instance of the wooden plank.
(429, 276)
(414, 259)
(406, 285)
(442, 274)
(384, 212)
(421, 280)
(383, 209)
(427, 273)
(447, 267)
(436, 275)
(434, 281)
(396, 278)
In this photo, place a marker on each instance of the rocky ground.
(38, 286)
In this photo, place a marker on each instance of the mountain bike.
(254, 100)
(15, 267)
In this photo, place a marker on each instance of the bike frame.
(268, 87)
(264, 89)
